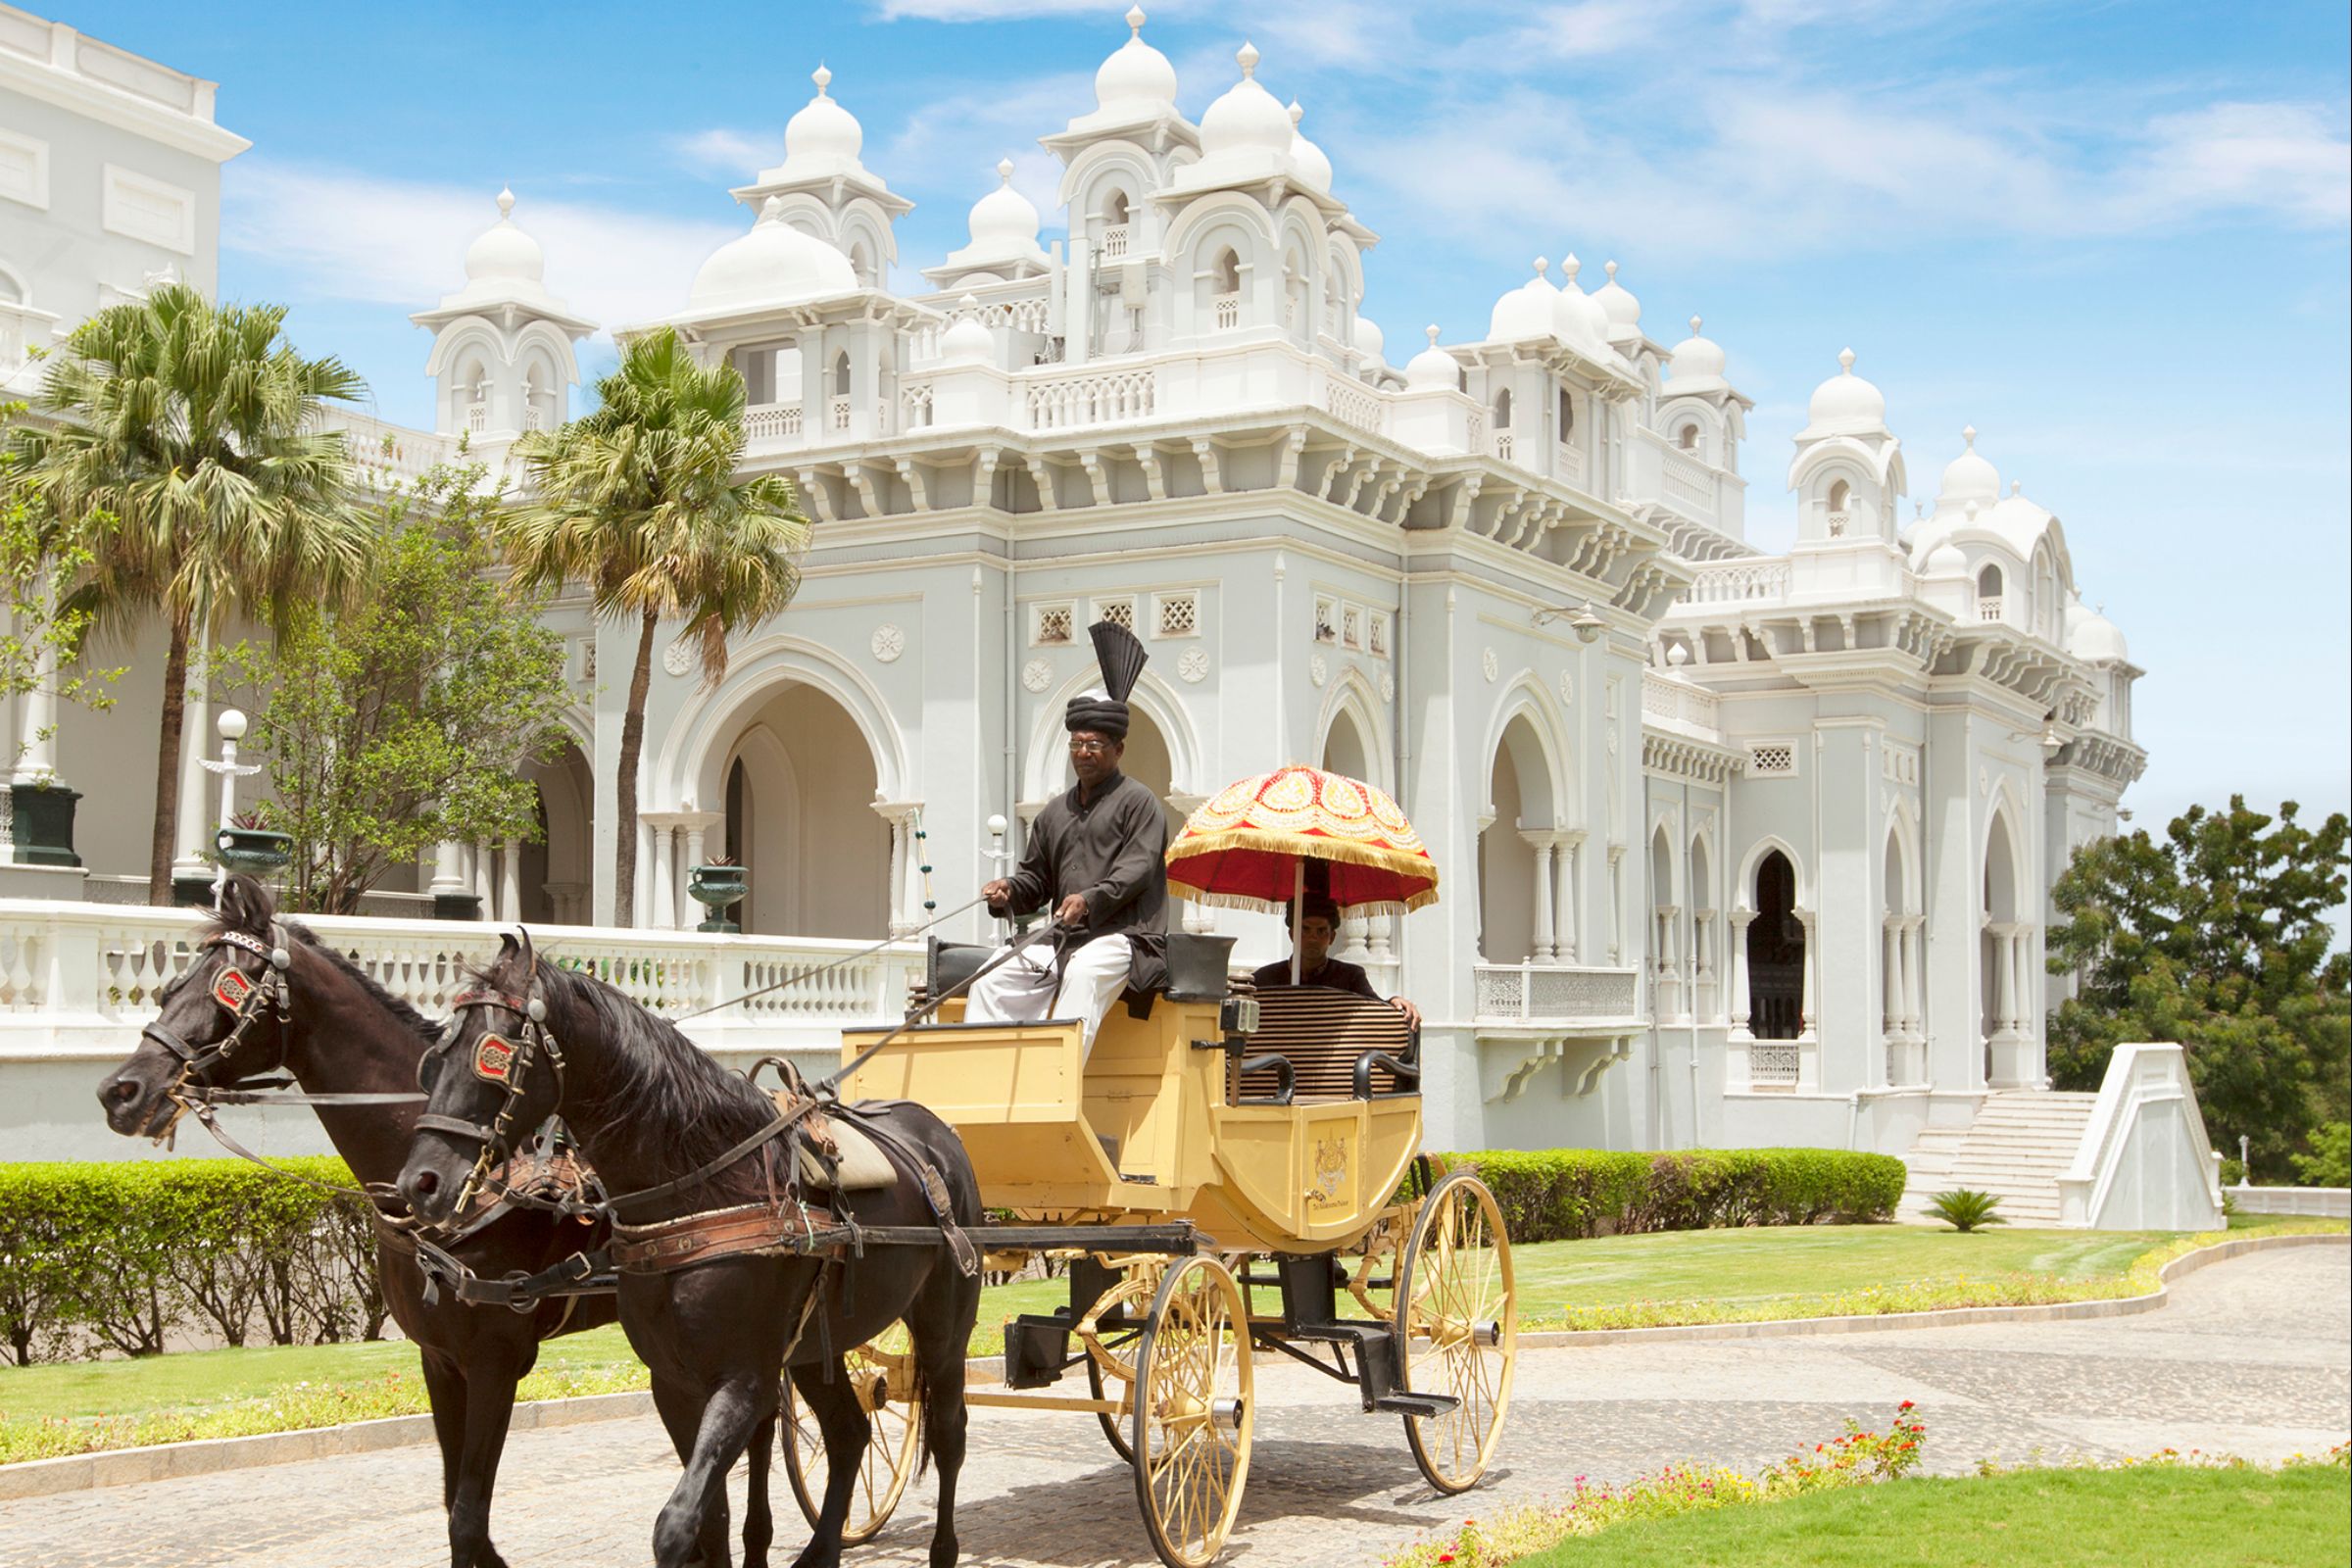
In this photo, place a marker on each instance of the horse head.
(495, 1075)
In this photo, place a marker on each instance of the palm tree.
(196, 429)
(639, 501)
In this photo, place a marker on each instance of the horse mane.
(366, 982)
(247, 910)
(665, 1100)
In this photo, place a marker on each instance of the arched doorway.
(1776, 953)
(800, 785)
(557, 872)
(1665, 960)
(1347, 752)
(1702, 900)
(1516, 853)
(2001, 997)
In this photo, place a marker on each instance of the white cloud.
(2290, 160)
(331, 233)
(950, 146)
(989, 10)
(730, 152)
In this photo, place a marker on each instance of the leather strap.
(690, 1239)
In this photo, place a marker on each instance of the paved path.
(2252, 1357)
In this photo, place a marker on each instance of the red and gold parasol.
(1251, 845)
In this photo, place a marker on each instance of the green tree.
(41, 633)
(403, 720)
(639, 501)
(2216, 937)
(196, 429)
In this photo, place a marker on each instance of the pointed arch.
(1351, 698)
(1746, 889)
(690, 766)
(1046, 765)
(1527, 698)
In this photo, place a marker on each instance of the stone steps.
(2020, 1143)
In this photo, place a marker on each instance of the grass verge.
(1613, 1282)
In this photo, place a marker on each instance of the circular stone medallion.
(889, 643)
(1037, 675)
(1194, 666)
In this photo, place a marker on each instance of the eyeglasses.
(1092, 747)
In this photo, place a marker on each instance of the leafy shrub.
(1964, 1208)
(1568, 1193)
(122, 1255)
(2329, 1162)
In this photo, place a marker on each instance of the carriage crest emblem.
(1331, 1168)
(494, 1058)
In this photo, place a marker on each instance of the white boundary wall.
(2145, 1162)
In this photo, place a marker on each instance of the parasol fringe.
(1313, 846)
(1243, 900)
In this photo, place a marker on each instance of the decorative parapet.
(1545, 992)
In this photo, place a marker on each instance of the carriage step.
(1424, 1404)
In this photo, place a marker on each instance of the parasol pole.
(1298, 911)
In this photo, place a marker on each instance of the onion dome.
(1622, 308)
(1524, 312)
(1369, 341)
(823, 138)
(1578, 320)
(1136, 82)
(1433, 370)
(1845, 405)
(1946, 561)
(1004, 226)
(1308, 159)
(775, 264)
(967, 341)
(2091, 637)
(1247, 118)
(503, 253)
(1694, 365)
(1968, 478)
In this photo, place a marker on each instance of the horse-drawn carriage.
(1223, 1174)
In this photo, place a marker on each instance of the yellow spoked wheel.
(882, 1372)
(1194, 1412)
(1457, 1325)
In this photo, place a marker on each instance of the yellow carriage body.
(1033, 1111)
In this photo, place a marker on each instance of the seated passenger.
(1318, 925)
(1095, 859)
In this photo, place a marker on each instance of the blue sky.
(2113, 237)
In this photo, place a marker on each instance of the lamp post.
(233, 730)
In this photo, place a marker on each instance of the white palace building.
(1739, 849)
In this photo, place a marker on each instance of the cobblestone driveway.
(2250, 1358)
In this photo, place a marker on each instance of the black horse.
(339, 1031)
(660, 1120)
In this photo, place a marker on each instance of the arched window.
(1988, 582)
(1688, 437)
(1776, 955)
(1225, 276)
(1567, 415)
(1115, 211)
(841, 374)
(1502, 408)
(1115, 231)
(861, 263)
(1841, 495)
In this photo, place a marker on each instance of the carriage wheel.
(882, 1371)
(1457, 1320)
(1112, 1427)
(1194, 1412)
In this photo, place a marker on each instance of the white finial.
(771, 210)
(1845, 362)
(1432, 337)
(2017, 486)
(1005, 170)
(1297, 113)
(823, 79)
(506, 201)
(1247, 56)
(1695, 327)
(970, 303)
(1972, 511)
(1677, 655)
(1968, 433)
(1135, 20)
(1571, 267)
(1611, 270)
(1542, 266)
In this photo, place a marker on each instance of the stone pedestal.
(42, 825)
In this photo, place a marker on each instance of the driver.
(1096, 859)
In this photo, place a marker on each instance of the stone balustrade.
(1553, 993)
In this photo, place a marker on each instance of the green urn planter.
(717, 889)
(255, 851)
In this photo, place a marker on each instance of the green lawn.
(2167, 1514)
(1687, 1276)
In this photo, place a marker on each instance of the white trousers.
(1022, 989)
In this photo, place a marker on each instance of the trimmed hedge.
(1557, 1194)
(126, 1255)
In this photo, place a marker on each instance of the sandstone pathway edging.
(127, 1466)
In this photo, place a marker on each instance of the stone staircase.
(2021, 1143)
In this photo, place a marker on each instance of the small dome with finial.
(1694, 365)
(1136, 82)
(1968, 478)
(1308, 159)
(775, 264)
(1433, 368)
(1577, 317)
(1246, 118)
(967, 341)
(1622, 308)
(1845, 405)
(503, 252)
(823, 138)
(1524, 312)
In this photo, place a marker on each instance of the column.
(1545, 949)
(1616, 903)
(2021, 1019)
(482, 887)
(1741, 919)
(666, 871)
(1571, 950)
(194, 832)
(1890, 978)
(1914, 1012)
(900, 814)
(452, 898)
(37, 715)
(1702, 967)
(1806, 1018)
(509, 881)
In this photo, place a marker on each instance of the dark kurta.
(1113, 850)
(1335, 973)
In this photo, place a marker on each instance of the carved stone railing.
(1774, 1063)
(1102, 397)
(1353, 402)
(1681, 703)
(1687, 484)
(1228, 309)
(769, 423)
(1114, 242)
(1568, 462)
(1545, 992)
(1737, 582)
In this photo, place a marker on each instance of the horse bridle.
(502, 1061)
(246, 998)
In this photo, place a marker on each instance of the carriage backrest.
(1323, 1034)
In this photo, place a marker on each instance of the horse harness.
(246, 999)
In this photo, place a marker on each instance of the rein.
(826, 968)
